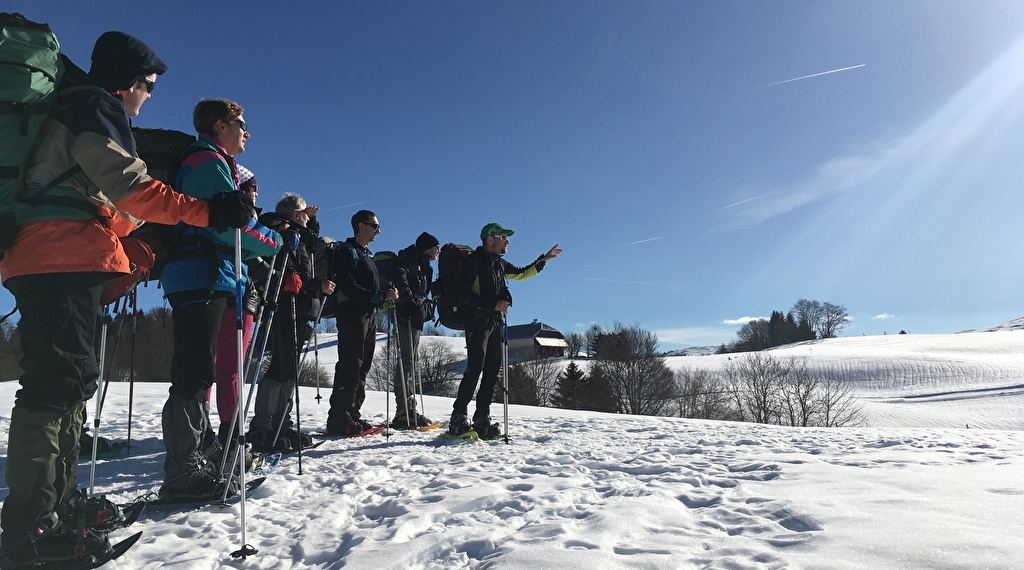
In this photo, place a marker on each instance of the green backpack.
(31, 73)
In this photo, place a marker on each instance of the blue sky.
(663, 145)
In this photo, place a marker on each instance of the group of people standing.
(61, 262)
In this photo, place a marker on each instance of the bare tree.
(755, 335)
(810, 313)
(545, 371)
(438, 367)
(628, 359)
(381, 374)
(574, 343)
(759, 378)
(833, 320)
(799, 396)
(702, 395)
(837, 404)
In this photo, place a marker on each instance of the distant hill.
(1014, 325)
(693, 351)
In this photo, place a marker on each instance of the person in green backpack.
(56, 269)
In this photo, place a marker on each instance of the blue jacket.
(202, 258)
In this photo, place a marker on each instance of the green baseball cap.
(494, 228)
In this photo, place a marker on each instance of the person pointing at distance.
(482, 286)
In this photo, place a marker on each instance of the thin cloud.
(744, 201)
(345, 206)
(618, 281)
(742, 320)
(829, 72)
(641, 241)
(882, 317)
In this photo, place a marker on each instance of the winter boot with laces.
(53, 542)
(485, 429)
(202, 483)
(97, 512)
(293, 435)
(459, 424)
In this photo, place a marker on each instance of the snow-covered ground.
(596, 491)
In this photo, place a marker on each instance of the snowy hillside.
(971, 379)
(599, 491)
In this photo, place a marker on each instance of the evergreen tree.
(522, 386)
(569, 388)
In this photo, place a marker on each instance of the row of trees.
(806, 320)
(625, 374)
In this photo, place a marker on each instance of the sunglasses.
(150, 85)
(241, 124)
(372, 225)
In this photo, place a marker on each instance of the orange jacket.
(90, 128)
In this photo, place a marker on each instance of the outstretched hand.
(552, 253)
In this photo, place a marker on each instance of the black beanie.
(119, 60)
(426, 241)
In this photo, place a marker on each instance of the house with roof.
(533, 341)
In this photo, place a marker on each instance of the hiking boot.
(54, 542)
(263, 442)
(201, 483)
(252, 460)
(459, 424)
(402, 421)
(350, 428)
(417, 421)
(293, 435)
(97, 512)
(485, 429)
(102, 445)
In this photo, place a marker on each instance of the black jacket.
(355, 276)
(412, 275)
(482, 281)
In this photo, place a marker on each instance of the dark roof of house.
(532, 330)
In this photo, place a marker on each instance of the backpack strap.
(40, 196)
(26, 110)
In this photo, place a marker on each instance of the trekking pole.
(316, 349)
(387, 384)
(258, 317)
(113, 350)
(400, 369)
(240, 418)
(417, 374)
(298, 371)
(99, 402)
(504, 368)
(246, 549)
(131, 373)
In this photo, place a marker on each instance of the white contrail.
(345, 206)
(816, 75)
(744, 201)
(618, 281)
(641, 241)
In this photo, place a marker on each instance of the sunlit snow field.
(914, 488)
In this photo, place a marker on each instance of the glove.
(292, 239)
(292, 284)
(230, 210)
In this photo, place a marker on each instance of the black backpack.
(323, 267)
(445, 290)
(163, 151)
(385, 262)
